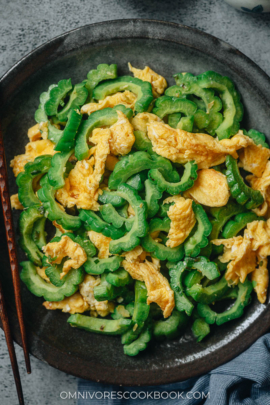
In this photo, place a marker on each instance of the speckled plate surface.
(167, 48)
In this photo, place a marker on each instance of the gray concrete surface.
(26, 24)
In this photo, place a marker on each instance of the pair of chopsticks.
(5, 198)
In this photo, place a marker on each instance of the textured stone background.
(26, 24)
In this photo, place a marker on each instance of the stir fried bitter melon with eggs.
(158, 203)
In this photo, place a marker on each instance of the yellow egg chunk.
(256, 232)
(15, 202)
(127, 98)
(158, 287)
(210, 188)
(102, 308)
(254, 159)
(75, 304)
(261, 277)
(259, 234)
(34, 133)
(82, 184)
(75, 190)
(32, 150)
(242, 252)
(66, 247)
(133, 254)
(181, 146)
(182, 222)
(242, 259)
(122, 136)
(141, 120)
(100, 152)
(101, 242)
(157, 81)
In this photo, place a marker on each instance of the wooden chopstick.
(10, 345)
(12, 248)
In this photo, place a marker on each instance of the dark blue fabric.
(243, 381)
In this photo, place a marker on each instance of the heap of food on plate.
(144, 207)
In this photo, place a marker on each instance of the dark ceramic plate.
(167, 48)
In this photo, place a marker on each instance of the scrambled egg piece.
(158, 82)
(102, 308)
(256, 232)
(120, 135)
(100, 152)
(261, 277)
(134, 255)
(42, 274)
(127, 98)
(82, 184)
(66, 248)
(123, 137)
(243, 252)
(75, 304)
(84, 300)
(263, 184)
(241, 256)
(210, 189)
(101, 242)
(180, 146)
(39, 131)
(182, 221)
(141, 120)
(32, 150)
(75, 190)
(254, 159)
(259, 233)
(15, 203)
(158, 287)
(34, 133)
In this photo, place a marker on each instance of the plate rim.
(103, 374)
